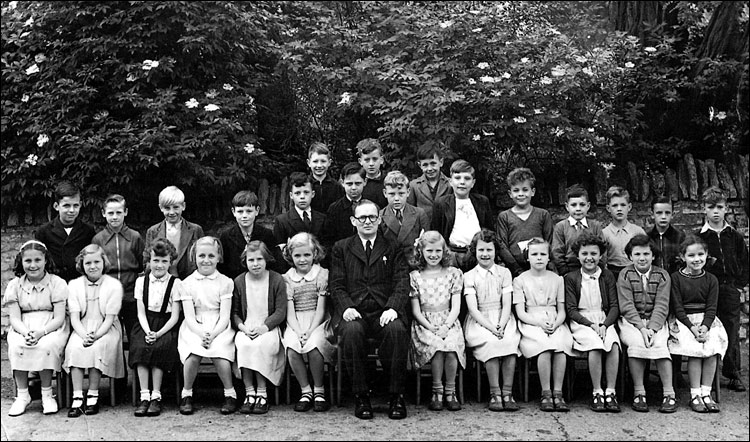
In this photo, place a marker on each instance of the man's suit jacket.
(289, 224)
(421, 196)
(444, 213)
(415, 221)
(385, 276)
(189, 233)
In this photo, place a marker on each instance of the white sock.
(145, 395)
(262, 392)
(250, 391)
(92, 397)
(705, 390)
(598, 391)
(156, 395)
(186, 393)
(47, 391)
(320, 391)
(77, 399)
(229, 392)
(695, 392)
(23, 394)
(609, 391)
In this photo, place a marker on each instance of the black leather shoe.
(74, 412)
(230, 405)
(362, 407)
(91, 410)
(142, 409)
(261, 405)
(304, 403)
(320, 403)
(154, 408)
(186, 405)
(736, 385)
(397, 409)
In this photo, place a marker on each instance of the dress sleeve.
(457, 283)
(138, 289)
(507, 280)
(59, 290)
(74, 300)
(559, 289)
(414, 292)
(112, 298)
(226, 288)
(186, 294)
(322, 282)
(11, 293)
(289, 288)
(519, 297)
(469, 284)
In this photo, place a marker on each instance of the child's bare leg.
(157, 375)
(317, 367)
(559, 362)
(224, 369)
(437, 365)
(76, 378)
(247, 379)
(95, 377)
(298, 368)
(46, 378)
(22, 379)
(451, 367)
(493, 374)
(665, 373)
(595, 369)
(190, 371)
(143, 372)
(260, 380)
(509, 371)
(637, 367)
(544, 367)
(709, 370)
(695, 366)
(612, 366)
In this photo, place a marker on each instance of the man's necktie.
(368, 249)
(306, 220)
(400, 217)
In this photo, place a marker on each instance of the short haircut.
(164, 248)
(352, 169)
(576, 191)
(368, 146)
(534, 242)
(303, 239)
(255, 246)
(429, 151)
(617, 192)
(171, 195)
(519, 175)
(319, 148)
(49, 265)
(713, 196)
(114, 198)
(430, 237)
(210, 240)
(396, 179)
(462, 166)
(588, 239)
(484, 235)
(299, 179)
(245, 198)
(641, 240)
(364, 202)
(661, 200)
(90, 250)
(66, 188)
(690, 240)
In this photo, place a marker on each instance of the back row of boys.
(433, 201)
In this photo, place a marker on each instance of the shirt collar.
(212, 276)
(364, 241)
(595, 276)
(484, 272)
(706, 227)
(300, 212)
(153, 278)
(573, 222)
(28, 286)
(125, 232)
(309, 276)
(647, 274)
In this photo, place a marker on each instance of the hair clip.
(32, 241)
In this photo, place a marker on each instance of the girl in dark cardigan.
(592, 309)
(258, 312)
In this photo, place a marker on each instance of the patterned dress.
(37, 302)
(489, 286)
(434, 293)
(304, 291)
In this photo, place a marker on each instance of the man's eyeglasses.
(371, 218)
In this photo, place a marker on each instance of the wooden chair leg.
(717, 379)
(461, 385)
(112, 398)
(479, 380)
(59, 378)
(135, 391)
(525, 380)
(339, 380)
(419, 386)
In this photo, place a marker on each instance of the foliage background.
(129, 97)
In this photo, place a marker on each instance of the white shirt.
(466, 224)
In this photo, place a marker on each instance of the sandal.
(509, 403)
(697, 405)
(547, 404)
(320, 402)
(668, 405)
(711, 406)
(304, 403)
(496, 403)
(639, 403)
(559, 403)
(261, 405)
(436, 404)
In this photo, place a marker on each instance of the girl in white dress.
(490, 328)
(539, 296)
(39, 329)
(593, 310)
(258, 310)
(308, 331)
(96, 342)
(205, 333)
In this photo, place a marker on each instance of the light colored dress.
(206, 292)
(36, 302)
(489, 286)
(434, 293)
(590, 307)
(305, 290)
(540, 296)
(95, 300)
(264, 354)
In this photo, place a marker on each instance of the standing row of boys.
(247, 318)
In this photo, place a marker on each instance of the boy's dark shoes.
(362, 407)
(154, 408)
(320, 403)
(639, 403)
(610, 402)
(142, 409)
(261, 405)
(668, 405)
(304, 403)
(186, 405)
(736, 385)
(229, 406)
(397, 409)
(597, 403)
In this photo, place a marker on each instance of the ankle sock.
(145, 395)
(229, 392)
(156, 395)
(695, 392)
(303, 390)
(24, 394)
(669, 392)
(320, 393)
(496, 391)
(92, 397)
(705, 390)
(47, 392)
(186, 393)
(261, 392)
(77, 399)
(598, 391)
(250, 391)
(450, 387)
(639, 389)
(609, 391)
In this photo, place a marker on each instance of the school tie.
(399, 217)
(368, 249)
(644, 281)
(306, 220)
(579, 226)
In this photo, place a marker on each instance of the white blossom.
(537, 111)
(519, 120)
(487, 79)
(42, 140)
(650, 49)
(525, 60)
(521, 105)
(721, 115)
(476, 30)
(558, 71)
(191, 103)
(33, 69)
(629, 65)
(488, 134)
(101, 115)
(591, 130)
(506, 75)
(227, 87)
(40, 58)
(588, 71)
(32, 159)
(149, 64)
(211, 108)
(472, 81)
(211, 94)
(249, 147)
(545, 80)
(580, 59)
(12, 5)
(25, 98)
(130, 78)
(346, 98)
(476, 138)
(496, 93)
(29, 22)
(483, 65)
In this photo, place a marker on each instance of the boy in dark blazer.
(433, 184)
(338, 223)
(401, 223)
(301, 217)
(369, 287)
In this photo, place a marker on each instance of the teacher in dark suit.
(369, 286)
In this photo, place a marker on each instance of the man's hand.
(351, 314)
(388, 316)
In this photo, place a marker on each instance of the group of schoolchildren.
(253, 299)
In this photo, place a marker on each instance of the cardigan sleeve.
(712, 300)
(572, 298)
(277, 295)
(677, 304)
(238, 317)
(661, 302)
(503, 234)
(625, 301)
(609, 290)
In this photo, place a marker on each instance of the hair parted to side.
(519, 175)
(304, 239)
(713, 196)
(164, 248)
(49, 265)
(617, 192)
(535, 241)
(364, 202)
(368, 146)
(318, 148)
(576, 191)
(690, 240)
(255, 246)
(430, 237)
(245, 198)
(396, 179)
(428, 151)
(66, 188)
(462, 166)
(206, 240)
(485, 235)
(115, 198)
(661, 199)
(299, 179)
(589, 239)
(171, 195)
(641, 240)
(352, 169)
(90, 250)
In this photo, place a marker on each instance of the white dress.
(304, 291)
(264, 354)
(489, 286)
(37, 302)
(590, 307)
(94, 301)
(206, 292)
